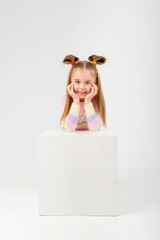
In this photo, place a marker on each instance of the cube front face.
(77, 175)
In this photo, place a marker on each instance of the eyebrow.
(85, 80)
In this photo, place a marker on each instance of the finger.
(72, 86)
(69, 88)
(93, 86)
(68, 91)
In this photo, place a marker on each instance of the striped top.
(81, 116)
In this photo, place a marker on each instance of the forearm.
(93, 118)
(70, 122)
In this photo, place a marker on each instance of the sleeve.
(93, 117)
(71, 119)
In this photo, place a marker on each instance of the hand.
(72, 93)
(93, 93)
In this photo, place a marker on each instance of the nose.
(81, 86)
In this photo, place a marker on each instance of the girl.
(83, 106)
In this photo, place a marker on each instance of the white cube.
(78, 173)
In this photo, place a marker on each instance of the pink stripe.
(70, 124)
(93, 124)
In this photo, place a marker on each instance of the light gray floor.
(139, 211)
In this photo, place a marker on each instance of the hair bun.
(69, 58)
(98, 59)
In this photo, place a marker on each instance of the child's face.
(82, 80)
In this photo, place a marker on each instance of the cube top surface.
(61, 132)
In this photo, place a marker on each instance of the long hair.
(92, 67)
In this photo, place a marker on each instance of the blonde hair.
(92, 67)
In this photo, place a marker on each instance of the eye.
(88, 82)
(77, 81)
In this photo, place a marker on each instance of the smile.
(82, 93)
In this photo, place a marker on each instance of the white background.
(35, 36)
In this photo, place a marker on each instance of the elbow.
(69, 128)
(97, 128)
(94, 130)
(95, 125)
